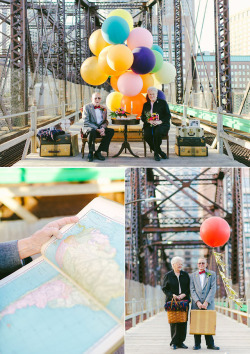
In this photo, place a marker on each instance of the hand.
(101, 131)
(33, 244)
(199, 304)
(175, 297)
(205, 305)
(182, 296)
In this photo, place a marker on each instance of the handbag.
(177, 310)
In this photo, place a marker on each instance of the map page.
(70, 300)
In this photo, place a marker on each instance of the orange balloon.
(113, 82)
(148, 81)
(120, 57)
(102, 62)
(138, 102)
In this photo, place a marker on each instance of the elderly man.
(95, 122)
(203, 289)
(156, 129)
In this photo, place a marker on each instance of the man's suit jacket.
(205, 294)
(160, 107)
(89, 117)
(170, 285)
(9, 258)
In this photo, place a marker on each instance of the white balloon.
(166, 74)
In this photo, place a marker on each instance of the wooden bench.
(133, 136)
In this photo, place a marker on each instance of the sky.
(207, 39)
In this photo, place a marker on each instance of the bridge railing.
(230, 309)
(142, 308)
(30, 137)
(222, 120)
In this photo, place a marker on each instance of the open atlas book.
(71, 299)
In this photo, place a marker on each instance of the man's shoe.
(213, 347)
(99, 156)
(196, 347)
(182, 346)
(173, 346)
(163, 155)
(90, 157)
(157, 157)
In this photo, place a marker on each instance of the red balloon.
(215, 231)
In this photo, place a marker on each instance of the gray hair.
(152, 88)
(176, 260)
(96, 93)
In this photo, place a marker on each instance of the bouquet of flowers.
(152, 116)
(120, 112)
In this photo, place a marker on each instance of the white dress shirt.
(98, 114)
(202, 279)
(179, 284)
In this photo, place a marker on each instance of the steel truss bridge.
(45, 42)
(187, 197)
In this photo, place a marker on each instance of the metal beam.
(164, 229)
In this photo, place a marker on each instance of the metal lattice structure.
(222, 52)
(187, 200)
(178, 51)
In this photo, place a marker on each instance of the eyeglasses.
(97, 98)
(202, 263)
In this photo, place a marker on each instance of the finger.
(64, 221)
(52, 231)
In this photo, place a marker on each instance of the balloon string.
(231, 293)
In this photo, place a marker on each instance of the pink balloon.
(130, 84)
(139, 37)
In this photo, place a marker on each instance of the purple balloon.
(161, 95)
(144, 60)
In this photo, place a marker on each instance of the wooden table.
(125, 144)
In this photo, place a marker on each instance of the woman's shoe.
(173, 346)
(157, 157)
(182, 346)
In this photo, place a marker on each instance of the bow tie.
(96, 107)
(203, 271)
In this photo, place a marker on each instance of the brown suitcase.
(55, 150)
(191, 150)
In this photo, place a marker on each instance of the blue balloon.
(161, 95)
(158, 48)
(144, 60)
(115, 30)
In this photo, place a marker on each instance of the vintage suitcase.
(63, 145)
(59, 139)
(55, 150)
(186, 132)
(190, 141)
(202, 322)
(191, 150)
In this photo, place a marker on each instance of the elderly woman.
(176, 284)
(156, 129)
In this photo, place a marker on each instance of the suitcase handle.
(54, 151)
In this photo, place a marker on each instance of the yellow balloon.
(96, 42)
(91, 72)
(156, 84)
(125, 15)
(120, 57)
(102, 62)
(113, 100)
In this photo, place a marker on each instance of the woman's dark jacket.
(160, 107)
(170, 285)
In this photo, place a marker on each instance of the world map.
(43, 305)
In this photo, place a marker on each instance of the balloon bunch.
(132, 67)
